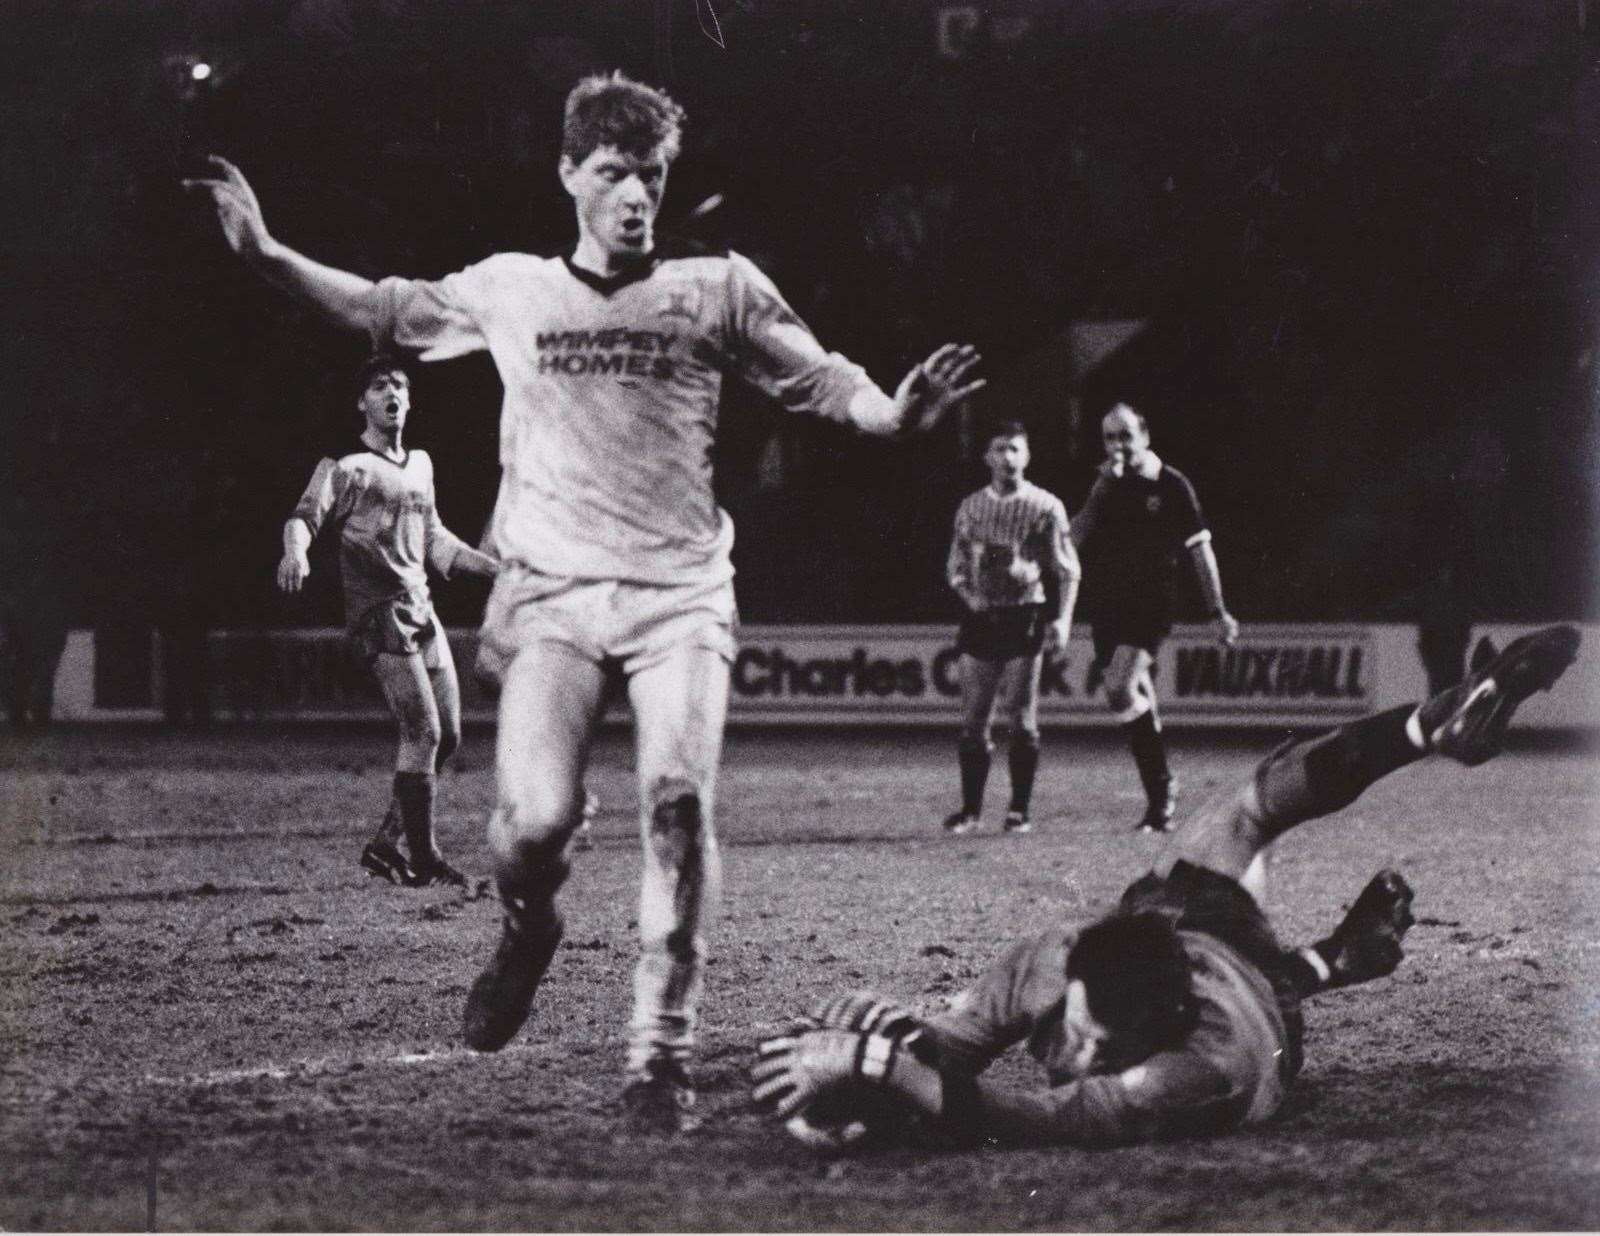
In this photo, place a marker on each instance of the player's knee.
(1026, 735)
(527, 819)
(529, 862)
(419, 728)
(1119, 696)
(975, 742)
(677, 819)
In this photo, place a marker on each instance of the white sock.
(1419, 740)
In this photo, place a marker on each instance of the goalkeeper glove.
(867, 1012)
(792, 1070)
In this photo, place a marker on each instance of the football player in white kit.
(616, 555)
(380, 498)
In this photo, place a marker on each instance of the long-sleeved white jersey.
(611, 394)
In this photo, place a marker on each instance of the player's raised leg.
(980, 684)
(549, 701)
(1304, 779)
(679, 704)
(1020, 691)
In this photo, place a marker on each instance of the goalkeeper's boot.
(1468, 722)
(1017, 821)
(436, 869)
(1366, 945)
(502, 996)
(382, 858)
(660, 1098)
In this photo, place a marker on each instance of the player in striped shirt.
(1141, 515)
(1014, 567)
(380, 498)
(612, 357)
(1178, 1013)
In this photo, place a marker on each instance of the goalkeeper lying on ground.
(1179, 1012)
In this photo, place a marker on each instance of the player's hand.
(1227, 629)
(1024, 572)
(292, 572)
(792, 1070)
(936, 385)
(1057, 634)
(238, 212)
(1111, 469)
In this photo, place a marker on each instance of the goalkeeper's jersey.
(1233, 1068)
(611, 393)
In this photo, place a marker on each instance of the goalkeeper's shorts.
(1002, 633)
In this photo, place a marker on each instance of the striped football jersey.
(1004, 544)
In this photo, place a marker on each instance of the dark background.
(1361, 237)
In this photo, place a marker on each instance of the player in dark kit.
(1014, 568)
(1139, 516)
(380, 499)
(1178, 1013)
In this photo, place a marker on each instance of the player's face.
(617, 196)
(1007, 457)
(1093, 1047)
(1125, 440)
(1086, 1037)
(386, 401)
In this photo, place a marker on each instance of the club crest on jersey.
(681, 302)
(1153, 503)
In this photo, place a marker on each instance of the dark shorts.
(1143, 629)
(1209, 902)
(401, 627)
(1003, 633)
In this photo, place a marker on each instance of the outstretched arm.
(449, 554)
(345, 299)
(1169, 1091)
(770, 347)
(935, 386)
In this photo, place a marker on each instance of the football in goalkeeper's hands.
(845, 1118)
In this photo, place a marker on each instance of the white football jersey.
(611, 394)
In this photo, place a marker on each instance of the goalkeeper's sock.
(1304, 780)
(414, 791)
(974, 760)
(1024, 760)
